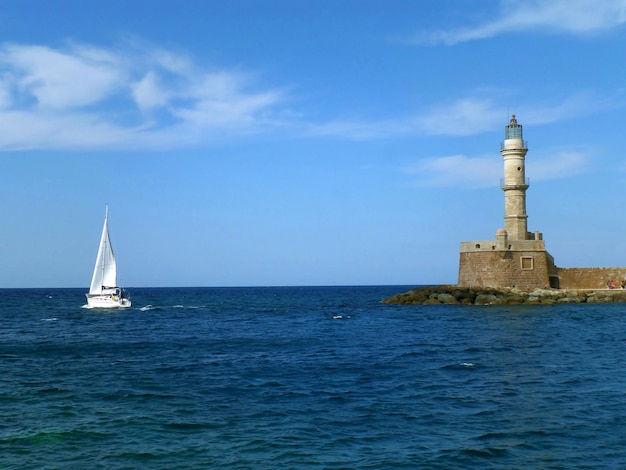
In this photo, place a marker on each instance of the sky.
(308, 142)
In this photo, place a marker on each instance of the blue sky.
(310, 142)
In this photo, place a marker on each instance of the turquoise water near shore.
(308, 377)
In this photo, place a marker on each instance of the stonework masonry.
(527, 269)
(590, 278)
(517, 258)
(524, 264)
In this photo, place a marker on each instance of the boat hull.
(107, 301)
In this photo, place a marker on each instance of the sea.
(308, 378)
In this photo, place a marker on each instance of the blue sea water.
(308, 378)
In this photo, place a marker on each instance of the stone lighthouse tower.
(514, 184)
(516, 258)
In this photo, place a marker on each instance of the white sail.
(105, 271)
(104, 291)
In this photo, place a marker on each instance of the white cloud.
(552, 16)
(457, 171)
(232, 111)
(62, 80)
(217, 98)
(87, 97)
(573, 106)
(5, 93)
(466, 116)
(148, 93)
(473, 115)
(470, 115)
(176, 63)
(53, 130)
(461, 171)
(354, 129)
(560, 165)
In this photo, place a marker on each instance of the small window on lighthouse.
(527, 262)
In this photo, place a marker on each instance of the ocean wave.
(459, 366)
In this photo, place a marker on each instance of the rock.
(485, 299)
(451, 294)
(446, 298)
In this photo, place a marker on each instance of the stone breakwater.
(452, 294)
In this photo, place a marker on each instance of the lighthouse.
(514, 184)
(517, 257)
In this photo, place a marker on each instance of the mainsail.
(105, 271)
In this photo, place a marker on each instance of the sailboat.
(104, 291)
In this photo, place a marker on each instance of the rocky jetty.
(452, 294)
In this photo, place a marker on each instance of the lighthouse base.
(524, 264)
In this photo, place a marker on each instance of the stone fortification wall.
(590, 278)
(502, 244)
(525, 270)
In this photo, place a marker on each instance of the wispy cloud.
(561, 164)
(462, 117)
(355, 129)
(551, 16)
(462, 171)
(465, 116)
(456, 171)
(83, 96)
(51, 79)
(579, 104)
(149, 93)
(474, 115)
(219, 99)
(141, 97)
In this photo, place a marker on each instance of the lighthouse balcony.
(514, 185)
(514, 144)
